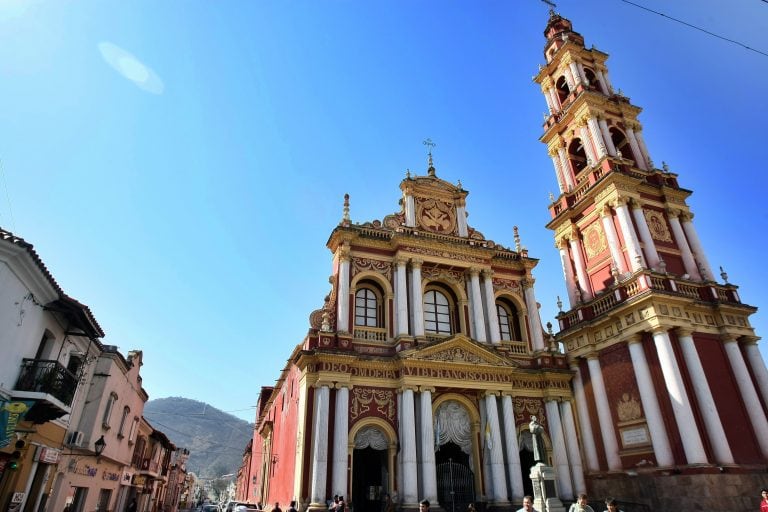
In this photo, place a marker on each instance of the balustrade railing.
(370, 334)
(47, 376)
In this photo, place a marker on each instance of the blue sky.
(190, 209)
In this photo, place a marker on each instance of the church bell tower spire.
(652, 337)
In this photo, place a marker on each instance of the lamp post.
(99, 446)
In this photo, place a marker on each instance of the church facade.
(421, 373)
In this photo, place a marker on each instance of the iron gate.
(455, 486)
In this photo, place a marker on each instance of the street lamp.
(99, 445)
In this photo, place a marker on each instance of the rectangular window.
(105, 495)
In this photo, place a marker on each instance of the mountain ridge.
(216, 440)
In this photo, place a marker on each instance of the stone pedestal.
(544, 490)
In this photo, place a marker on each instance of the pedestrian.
(332, 504)
(131, 506)
(341, 506)
(471, 508)
(292, 507)
(613, 505)
(764, 500)
(424, 506)
(389, 506)
(277, 507)
(581, 505)
(527, 505)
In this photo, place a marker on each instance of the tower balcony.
(49, 384)
(640, 285)
(588, 177)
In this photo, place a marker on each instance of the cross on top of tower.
(552, 6)
(430, 168)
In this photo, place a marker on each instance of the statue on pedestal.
(539, 451)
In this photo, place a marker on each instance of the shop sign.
(47, 455)
(139, 480)
(11, 413)
(127, 477)
(84, 470)
(18, 497)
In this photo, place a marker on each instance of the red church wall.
(620, 386)
(601, 277)
(725, 392)
(284, 412)
(367, 402)
(663, 396)
(589, 394)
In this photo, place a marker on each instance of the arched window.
(437, 313)
(621, 143)
(562, 89)
(367, 310)
(594, 83)
(577, 155)
(120, 431)
(509, 323)
(108, 411)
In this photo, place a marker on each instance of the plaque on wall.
(635, 436)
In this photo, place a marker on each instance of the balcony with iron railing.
(641, 283)
(49, 384)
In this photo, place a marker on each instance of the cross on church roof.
(431, 168)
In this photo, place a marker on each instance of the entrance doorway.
(527, 461)
(369, 480)
(455, 479)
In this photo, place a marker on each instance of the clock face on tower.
(436, 216)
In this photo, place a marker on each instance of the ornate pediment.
(460, 350)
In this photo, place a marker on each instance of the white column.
(613, 240)
(569, 78)
(594, 129)
(607, 136)
(553, 96)
(575, 73)
(682, 243)
(410, 492)
(496, 452)
(587, 437)
(639, 156)
(605, 79)
(604, 417)
(715, 431)
(565, 261)
(417, 301)
(514, 467)
(476, 305)
(566, 166)
(342, 301)
(589, 145)
(653, 416)
(428, 467)
(758, 366)
(410, 211)
(681, 406)
(534, 317)
(581, 269)
(401, 298)
(320, 444)
(582, 73)
(748, 394)
(630, 237)
(649, 247)
(558, 172)
(548, 99)
(340, 441)
(695, 244)
(461, 220)
(572, 445)
(643, 148)
(559, 453)
(490, 301)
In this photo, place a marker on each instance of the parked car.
(232, 504)
(210, 507)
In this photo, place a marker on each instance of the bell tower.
(668, 378)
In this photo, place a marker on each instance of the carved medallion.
(657, 224)
(436, 216)
(594, 240)
(628, 409)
